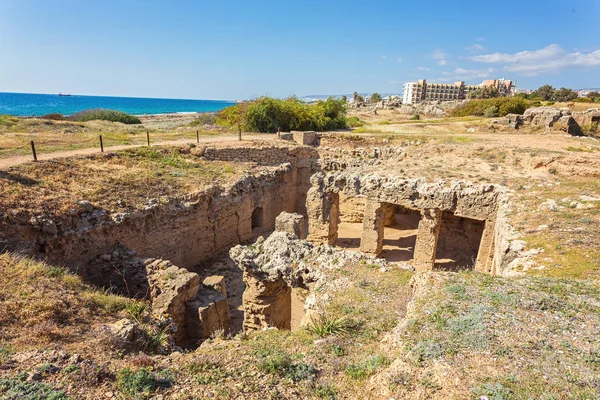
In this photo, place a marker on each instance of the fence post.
(197, 136)
(101, 145)
(148, 137)
(33, 151)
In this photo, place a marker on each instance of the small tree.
(233, 117)
(344, 99)
(355, 96)
(375, 98)
(545, 92)
(484, 92)
(594, 95)
(564, 94)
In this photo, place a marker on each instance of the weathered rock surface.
(291, 223)
(277, 269)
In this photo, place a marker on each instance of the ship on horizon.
(64, 95)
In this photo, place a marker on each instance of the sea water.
(25, 104)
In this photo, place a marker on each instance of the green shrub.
(415, 117)
(205, 119)
(504, 105)
(18, 388)
(280, 363)
(354, 122)
(104, 115)
(491, 112)
(367, 367)
(8, 120)
(325, 325)
(54, 117)
(135, 382)
(267, 114)
(326, 391)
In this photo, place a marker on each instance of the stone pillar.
(371, 240)
(323, 211)
(266, 303)
(485, 254)
(427, 239)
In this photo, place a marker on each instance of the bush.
(491, 112)
(54, 117)
(205, 119)
(415, 117)
(104, 115)
(268, 115)
(354, 122)
(504, 105)
(142, 382)
(8, 120)
(18, 388)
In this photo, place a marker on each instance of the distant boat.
(63, 95)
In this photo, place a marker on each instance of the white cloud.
(399, 59)
(480, 39)
(440, 56)
(384, 57)
(423, 68)
(468, 74)
(476, 48)
(552, 58)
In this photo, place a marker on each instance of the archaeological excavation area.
(247, 255)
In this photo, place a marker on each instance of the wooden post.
(101, 145)
(148, 137)
(239, 132)
(33, 151)
(197, 136)
(278, 133)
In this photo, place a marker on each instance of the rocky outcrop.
(279, 272)
(291, 223)
(574, 123)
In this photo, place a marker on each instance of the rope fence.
(100, 142)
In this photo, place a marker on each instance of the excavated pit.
(178, 254)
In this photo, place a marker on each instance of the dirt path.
(16, 160)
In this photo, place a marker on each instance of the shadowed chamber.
(458, 242)
(400, 233)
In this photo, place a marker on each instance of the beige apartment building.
(417, 92)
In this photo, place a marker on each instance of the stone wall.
(472, 205)
(184, 230)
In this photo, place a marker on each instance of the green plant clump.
(54, 117)
(504, 106)
(135, 382)
(104, 115)
(269, 115)
(18, 388)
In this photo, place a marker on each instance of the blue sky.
(242, 49)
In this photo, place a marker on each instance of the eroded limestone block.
(427, 239)
(371, 241)
(266, 304)
(208, 313)
(291, 223)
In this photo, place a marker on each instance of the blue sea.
(24, 104)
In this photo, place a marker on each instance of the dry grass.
(51, 136)
(474, 335)
(120, 181)
(40, 304)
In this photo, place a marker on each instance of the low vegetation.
(498, 107)
(104, 115)
(121, 181)
(269, 115)
(51, 303)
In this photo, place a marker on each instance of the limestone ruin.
(164, 252)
